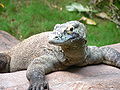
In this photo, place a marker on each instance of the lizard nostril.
(56, 36)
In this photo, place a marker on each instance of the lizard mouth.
(65, 38)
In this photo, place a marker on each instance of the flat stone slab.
(95, 77)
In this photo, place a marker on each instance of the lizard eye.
(71, 29)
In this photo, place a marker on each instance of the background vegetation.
(23, 18)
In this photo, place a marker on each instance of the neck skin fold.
(75, 50)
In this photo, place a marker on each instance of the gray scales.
(52, 51)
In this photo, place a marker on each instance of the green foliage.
(23, 18)
(104, 33)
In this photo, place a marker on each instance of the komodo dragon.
(65, 47)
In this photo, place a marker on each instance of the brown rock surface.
(95, 77)
(7, 41)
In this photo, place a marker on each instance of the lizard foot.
(38, 85)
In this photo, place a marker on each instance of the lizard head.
(67, 33)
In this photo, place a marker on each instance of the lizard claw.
(39, 86)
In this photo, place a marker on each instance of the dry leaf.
(2, 5)
(88, 21)
(103, 15)
(57, 7)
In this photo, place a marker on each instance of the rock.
(13, 81)
(7, 41)
(94, 77)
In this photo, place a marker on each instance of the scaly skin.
(66, 46)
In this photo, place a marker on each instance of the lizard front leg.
(37, 70)
(111, 56)
(93, 56)
(97, 55)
